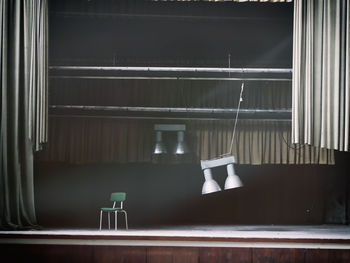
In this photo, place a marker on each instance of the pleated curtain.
(82, 140)
(321, 73)
(262, 1)
(79, 139)
(23, 76)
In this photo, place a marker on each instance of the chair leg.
(126, 220)
(109, 220)
(116, 220)
(101, 212)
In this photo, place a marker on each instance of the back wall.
(70, 196)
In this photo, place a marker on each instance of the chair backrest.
(118, 197)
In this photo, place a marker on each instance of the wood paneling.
(339, 256)
(327, 256)
(278, 255)
(124, 254)
(119, 254)
(223, 255)
(172, 255)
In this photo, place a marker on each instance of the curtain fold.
(321, 72)
(97, 140)
(170, 93)
(262, 1)
(23, 86)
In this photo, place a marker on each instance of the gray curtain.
(102, 140)
(321, 73)
(262, 1)
(97, 139)
(23, 58)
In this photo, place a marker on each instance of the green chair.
(118, 197)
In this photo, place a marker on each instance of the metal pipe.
(169, 78)
(54, 115)
(176, 69)
(169, 113)
(168, 109)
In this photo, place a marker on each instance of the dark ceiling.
(171, 33)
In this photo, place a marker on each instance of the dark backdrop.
(181, 34)
(159, 194)
(171, 33)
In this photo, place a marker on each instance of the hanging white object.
(210, 185)
(159, 147)
(181, 146)
(232, 180)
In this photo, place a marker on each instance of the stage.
(236, 243)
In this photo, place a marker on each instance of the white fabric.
(321, 73)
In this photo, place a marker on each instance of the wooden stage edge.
(261, 236)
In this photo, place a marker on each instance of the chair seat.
(110, 208)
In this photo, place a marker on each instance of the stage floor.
(276, 236)
(341, 232)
